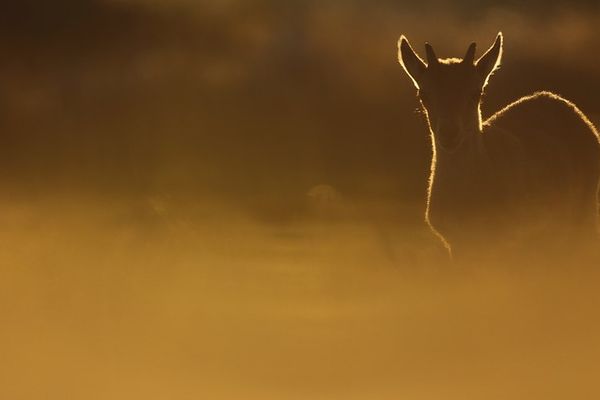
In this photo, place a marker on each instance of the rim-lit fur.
(529, 173)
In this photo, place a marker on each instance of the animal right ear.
(410, 61)
(490, 61)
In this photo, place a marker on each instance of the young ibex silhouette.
(527, 175)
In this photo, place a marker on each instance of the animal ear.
(410, 61)
(490, 61)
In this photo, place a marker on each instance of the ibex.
(528, 174)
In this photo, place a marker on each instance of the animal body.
(527, 177)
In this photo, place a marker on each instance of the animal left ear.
(410, 61)
(490, 61)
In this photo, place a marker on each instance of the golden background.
(224, 200)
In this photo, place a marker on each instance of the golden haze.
(159, 237)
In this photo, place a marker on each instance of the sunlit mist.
(237, 200)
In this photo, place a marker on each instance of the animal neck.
(479, 119)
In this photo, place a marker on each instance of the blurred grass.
(102, 302)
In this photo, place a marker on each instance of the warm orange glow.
(225, 199)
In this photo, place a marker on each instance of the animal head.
(450, 90)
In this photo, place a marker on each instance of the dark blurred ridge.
(253, 101)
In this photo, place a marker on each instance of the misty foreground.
(108, 300)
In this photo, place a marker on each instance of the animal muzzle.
(449, 138)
